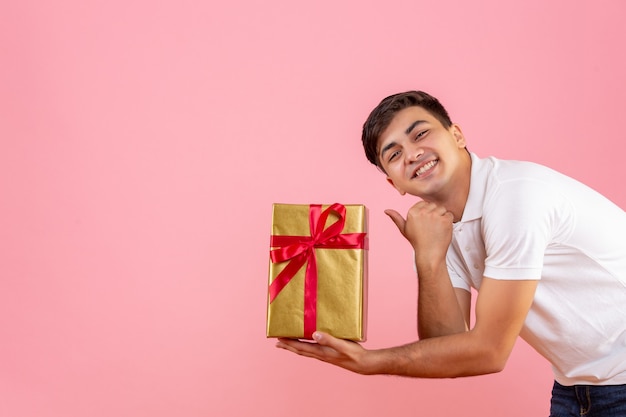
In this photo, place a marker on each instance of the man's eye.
(420, 134)
(393, 155)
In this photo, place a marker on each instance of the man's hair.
(380, 118)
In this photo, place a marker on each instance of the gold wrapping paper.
(341, 279)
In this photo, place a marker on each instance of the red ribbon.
(300, 249)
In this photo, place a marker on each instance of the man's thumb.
(397, 219)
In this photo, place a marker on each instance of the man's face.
(420, 156)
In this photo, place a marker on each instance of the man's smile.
(424, 168)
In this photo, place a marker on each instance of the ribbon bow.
(300, 249)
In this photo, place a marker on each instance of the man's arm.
(441, 309)
(501, 309)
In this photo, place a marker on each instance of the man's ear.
(458, 135)
(401, 191)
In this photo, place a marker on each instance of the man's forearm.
(451, 356)
(438, 310)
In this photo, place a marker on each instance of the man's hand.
(428, 227)
(343, 353)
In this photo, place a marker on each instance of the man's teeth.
(425, 168)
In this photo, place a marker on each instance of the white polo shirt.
(526, 221)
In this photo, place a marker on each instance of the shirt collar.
(479, 173)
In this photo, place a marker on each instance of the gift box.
(318, 271)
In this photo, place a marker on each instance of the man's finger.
(397, 219)
(309, 349)
(324, 339)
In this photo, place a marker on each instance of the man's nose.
(412, 153)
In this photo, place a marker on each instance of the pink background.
(143, 144)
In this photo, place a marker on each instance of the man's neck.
(455, 197)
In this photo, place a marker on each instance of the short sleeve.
(519, 221)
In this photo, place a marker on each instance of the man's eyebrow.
(386, 148)
(413, 126)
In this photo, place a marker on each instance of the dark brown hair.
(380, 118)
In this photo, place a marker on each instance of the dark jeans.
(588, 401)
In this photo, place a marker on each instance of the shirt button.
(467, 248)
(476, 266)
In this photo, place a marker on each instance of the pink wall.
(143, 144)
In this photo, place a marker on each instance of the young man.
(546, 254)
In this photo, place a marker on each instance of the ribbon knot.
(299, 250)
